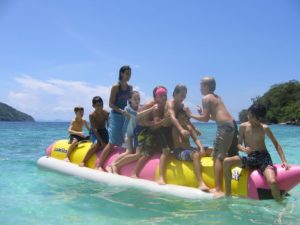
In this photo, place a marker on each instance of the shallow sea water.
(30, 195)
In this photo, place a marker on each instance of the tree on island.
(282, 102)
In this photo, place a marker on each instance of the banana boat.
(179, 174)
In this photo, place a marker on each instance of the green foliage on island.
(8, 113)
(282, 102)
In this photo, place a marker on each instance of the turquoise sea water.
(29, 195)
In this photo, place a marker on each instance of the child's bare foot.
(109, 169)
(134, 176)
(219, 194)
(100, 169)
(67, 159)
(115, 169)
(212, 190)
(203, 187)
(82, 164)
(161, 181)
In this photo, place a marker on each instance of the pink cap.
(160, 91)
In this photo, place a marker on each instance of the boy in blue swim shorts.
(184, 151)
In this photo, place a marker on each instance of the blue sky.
(58, 54)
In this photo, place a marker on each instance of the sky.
(55, 55)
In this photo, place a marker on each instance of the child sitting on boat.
(183, 149)
(151, 137)
(130, 129)
(252, 134)
(99, 133)
(75, 130)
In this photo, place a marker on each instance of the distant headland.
(8, 113)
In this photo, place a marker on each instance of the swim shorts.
(184, 154)
(103, 133)
(257, 160)
(78, 138)
(226, 140)
(151, 141)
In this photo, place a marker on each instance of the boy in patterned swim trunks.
(184, 151)
(252, 134)
(151, 137)
(215, 109)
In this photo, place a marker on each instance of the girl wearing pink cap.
(151, 137)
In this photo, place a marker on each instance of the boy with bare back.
(226, 136)
(252, 135)
(75, 130)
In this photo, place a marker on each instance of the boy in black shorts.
(99, 134)
(252, 135)
(75, 130)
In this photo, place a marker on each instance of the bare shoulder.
(105, 112)
(115, 87)
(147, 105)
(210, 98)
(265, 127)
(244, 125)
(170, 104)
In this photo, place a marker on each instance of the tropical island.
(282, 102)
(8, 113)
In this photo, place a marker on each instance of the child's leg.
(71, 149)
(222, 145)
(104, 155)
(139, 166)
(121, 156)
(162, 165)
(270, 175)
(218, 169)
(126, 160)
(197, 168)
(128, 142)
(230, 162)
(89, 154)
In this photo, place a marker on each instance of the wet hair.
(257, 110)
(179, 88)
(157, 87)
(97, 99)
(210, 82)
(122, 70)
(78, 108)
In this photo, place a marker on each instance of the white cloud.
(54, 99)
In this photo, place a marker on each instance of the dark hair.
(131, 94)
(78, 108)
(97, 99)
(154, 90)
(257, 110)
(179, 88)
(122, 70)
